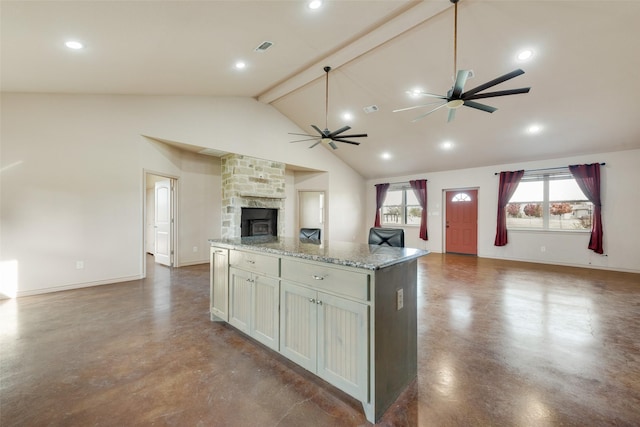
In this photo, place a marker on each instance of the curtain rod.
(400, 182)
(549, 169)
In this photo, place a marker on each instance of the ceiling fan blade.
(332, 145)
(493, 82)
(348, 142)
(317, 130)
(357, 135)
(478, 106)
(302, 140)
(452, 114)
(458, 86)
(317, 142)
(426, 114)
(336, 132)
(432, 95)
(418, 106)
(499, 93)
(302, 134)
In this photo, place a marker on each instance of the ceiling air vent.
(371, 109)
(263, 46)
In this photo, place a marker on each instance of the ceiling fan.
(326, 135)
(456, 97)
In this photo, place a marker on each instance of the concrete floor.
(499, 344)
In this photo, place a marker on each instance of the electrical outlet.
(399, 299)
(79, 265)
(195, 249)
(543, 248)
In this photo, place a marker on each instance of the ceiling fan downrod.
(455, 37)
(326, 98)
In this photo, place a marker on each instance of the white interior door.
(311, 210)
(163, 222)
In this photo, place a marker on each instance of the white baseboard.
(565, 264)
(77, 286)
(188, 263)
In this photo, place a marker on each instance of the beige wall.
(620, 199)
(72, 184)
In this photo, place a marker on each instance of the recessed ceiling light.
(533, 129)
(315, 4)
(447, 145)
(414, 93)
(347, 116)
(385, 155)
(525, 55)
(72, 44)
(240, 65)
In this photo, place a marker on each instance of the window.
(461, 197)
(401, 207)
(549, 201)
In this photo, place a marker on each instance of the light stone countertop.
(349, 254)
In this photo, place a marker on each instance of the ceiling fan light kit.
(455, 97)
(327, 136)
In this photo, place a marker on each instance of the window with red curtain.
(419, 187)
(508, 183)
(381, 193)
(588, 179)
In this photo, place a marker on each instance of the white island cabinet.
(344, 311)
(254, 295)
(219, 295)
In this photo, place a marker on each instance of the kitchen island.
(344, 311)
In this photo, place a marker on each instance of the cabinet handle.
(319, 302)
(250, 261)
(317, 277)
(311, 300)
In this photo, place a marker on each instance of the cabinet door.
(342, 344)
(265, 314)
(220, 283)
(298, 323)
(240, 288)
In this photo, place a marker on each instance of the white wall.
(72, 184)
(620, 199)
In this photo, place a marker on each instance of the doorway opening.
(311, 211)
(461, 221)
(159, 231)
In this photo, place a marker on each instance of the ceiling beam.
(402, 23)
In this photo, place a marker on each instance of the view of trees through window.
(401, 207)
(549, 202)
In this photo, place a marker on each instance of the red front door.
(462, 222)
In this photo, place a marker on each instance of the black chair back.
(310, 233)
(386, 236)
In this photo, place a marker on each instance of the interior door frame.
(175, 211)
(444, 212)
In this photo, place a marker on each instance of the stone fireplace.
(256, 185)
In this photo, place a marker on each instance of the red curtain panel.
(508, 183)
(419, 187)
(381, 193)
(588, 179)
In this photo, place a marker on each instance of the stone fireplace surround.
(253, 183)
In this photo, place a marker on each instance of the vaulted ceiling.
(583, 72)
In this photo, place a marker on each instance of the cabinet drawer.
(258, 263)
(324, 278)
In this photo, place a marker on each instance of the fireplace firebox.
(259, 222)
